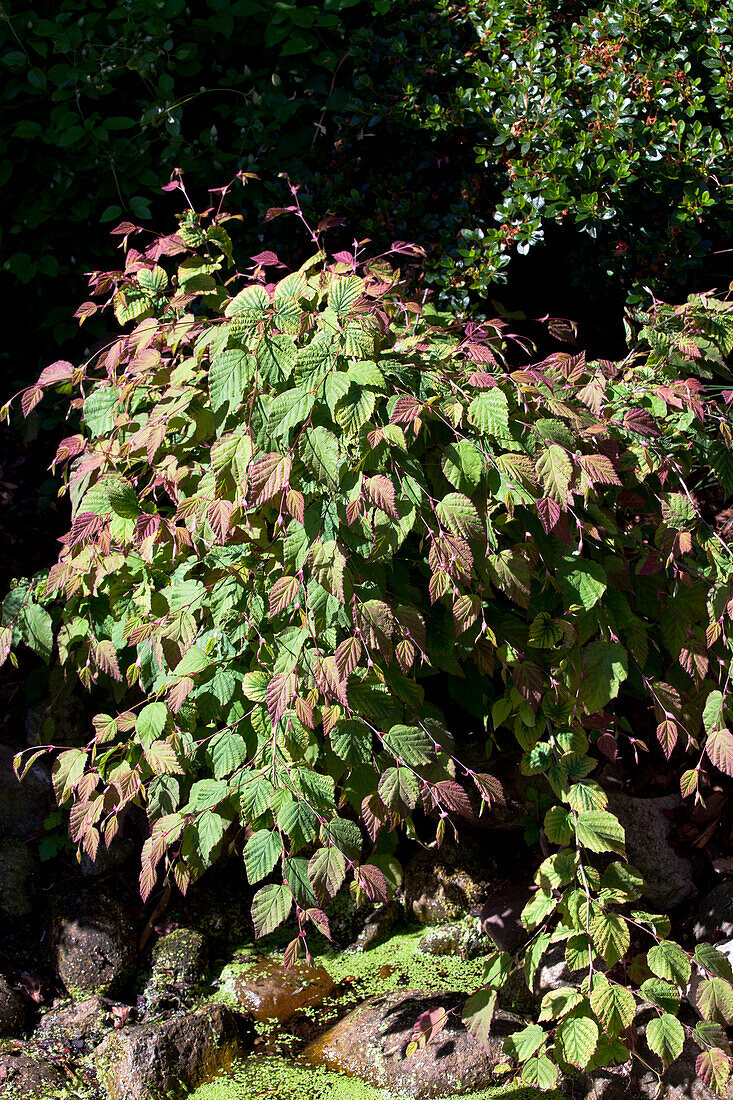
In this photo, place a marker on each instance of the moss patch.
(278, 1079)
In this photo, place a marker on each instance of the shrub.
(297, 496)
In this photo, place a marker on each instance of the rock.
(378, 926)
(23, 806)
(446, 884)
(25, 1075)
(713, 917)
(171, 1057)
(502, 916)
(91, 939)
(180, 958)
(108, 859)
(179, 967)
(464, 939)
(59, 723)
(371, 1043)
(17, 866)
(12, 1011)
(668, 876)
(270, 992)
(87, 1020)
(219, 904)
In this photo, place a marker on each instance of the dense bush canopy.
(298, 496)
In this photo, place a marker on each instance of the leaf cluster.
(295, 497)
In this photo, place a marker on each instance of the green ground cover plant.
(297, 496)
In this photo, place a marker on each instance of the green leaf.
(523, 1044)
(555, 472)
(666, 1037)
(600, 831)
(583, 582)
(254, 686)
(210, 828)
(621, 882)
(411, 745)
(604, 668)
(228, 375)
(344, 293)
(540, 1073)
(151, 722)
(327, 870)
(660, 993)
(463, 465)
(228, 751)
(715, 962)
(261, 853)
(399, 786)
(460, 516)
(576, 1040)
(271, 905)
(610, 934)
(489, 411)
(713, 715)
(206, 793)
(559, 825)
(668, 960)
(38, 632)
(299, 823)
(478, 1013)
(288, 410)
(351, 739)
(319, 450)
(556, 1003)
(715, 1001)
(613, 1005)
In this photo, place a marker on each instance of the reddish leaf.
(372, 882)
(407, 409)
(719, 747)
(549, 512)
(30, 398)
(347, 657)
(489, 788)
(381, 493)
(283, 593)
(84, 526)
(642, 422)
(280, 691)
(667, 733)
(454, 797)
(60, 371)
(219, 515)
(268, 476)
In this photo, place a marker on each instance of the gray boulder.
(23, 806)
(713, 917)
(446, 884)
(92, 941)
(27, 1076)
(371, 1043)
(464, 939)
(12, 1011)
(17, 867)
(647, 822)
(171, 1057)
(86, 1020)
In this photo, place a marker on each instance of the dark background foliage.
(586, 152)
